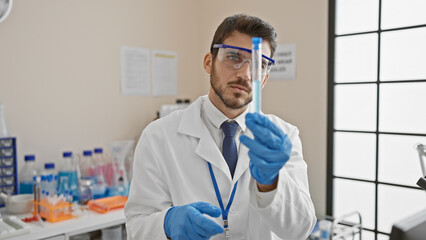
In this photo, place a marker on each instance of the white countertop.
(87, 222)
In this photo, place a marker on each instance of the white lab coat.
(170, 168)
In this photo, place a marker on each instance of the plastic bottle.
(325, 229)
(26, 175)
(100, 161)
(68, 179)
(49, 175)
(99, 182)
(113, 176)
(87, 166)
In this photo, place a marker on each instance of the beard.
(232, 102)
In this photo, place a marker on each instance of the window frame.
(331, 112)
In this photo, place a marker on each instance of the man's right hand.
(188, 222)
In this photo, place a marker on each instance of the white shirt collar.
(216, 117)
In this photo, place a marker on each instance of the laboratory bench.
(85, 222)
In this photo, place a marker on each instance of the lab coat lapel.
(208, 150)
(243, 159)
(191, 124)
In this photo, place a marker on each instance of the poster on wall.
(135, 71)
(285, 63)
(164, 73)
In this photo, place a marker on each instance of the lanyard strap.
(219, 198)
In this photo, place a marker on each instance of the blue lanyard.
(219, 199)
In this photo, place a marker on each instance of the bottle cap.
(98, 150)
(49, 166)
(29, 158)
(256, 43)
(87, 153)
(67, 154)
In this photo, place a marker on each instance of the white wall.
(60, 70)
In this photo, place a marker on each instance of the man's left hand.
(268, 151)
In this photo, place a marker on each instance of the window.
(377, 110)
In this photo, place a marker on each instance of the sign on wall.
(285, 63)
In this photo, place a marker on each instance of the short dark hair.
(252, 26)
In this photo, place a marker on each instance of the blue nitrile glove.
(188, 222)
(269, 150)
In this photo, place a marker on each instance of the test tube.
(256, 72)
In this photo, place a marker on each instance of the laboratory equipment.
(120, 150)
(49, 179)
(169, 108)
(107, 204)
(37, 193)
(111, 171)
(67, 177)
(411, 228)
(27, 174)
(5, 8)
(347, 226)
(54, 209)
(256, 73)
(18, 204)
(8, 170)
(100, 161)
(85, 190)
(11, 226)
(421, 149)
(100, 186)
(87, 166)
(3, 127)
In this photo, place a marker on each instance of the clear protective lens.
(236, 58)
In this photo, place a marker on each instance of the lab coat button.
(233, 210)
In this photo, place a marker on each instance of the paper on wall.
(135, 71)
(164, 73)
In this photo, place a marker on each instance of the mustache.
(241, 82)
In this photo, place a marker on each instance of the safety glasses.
(236, 57)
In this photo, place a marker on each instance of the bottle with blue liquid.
(26, 175)
(68, 178)
(49, 180)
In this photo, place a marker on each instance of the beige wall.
(302, 101)
(60, 69)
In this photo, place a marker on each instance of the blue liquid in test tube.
(256, 72)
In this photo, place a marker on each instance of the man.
(215, 153)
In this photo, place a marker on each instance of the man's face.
(233, 87)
